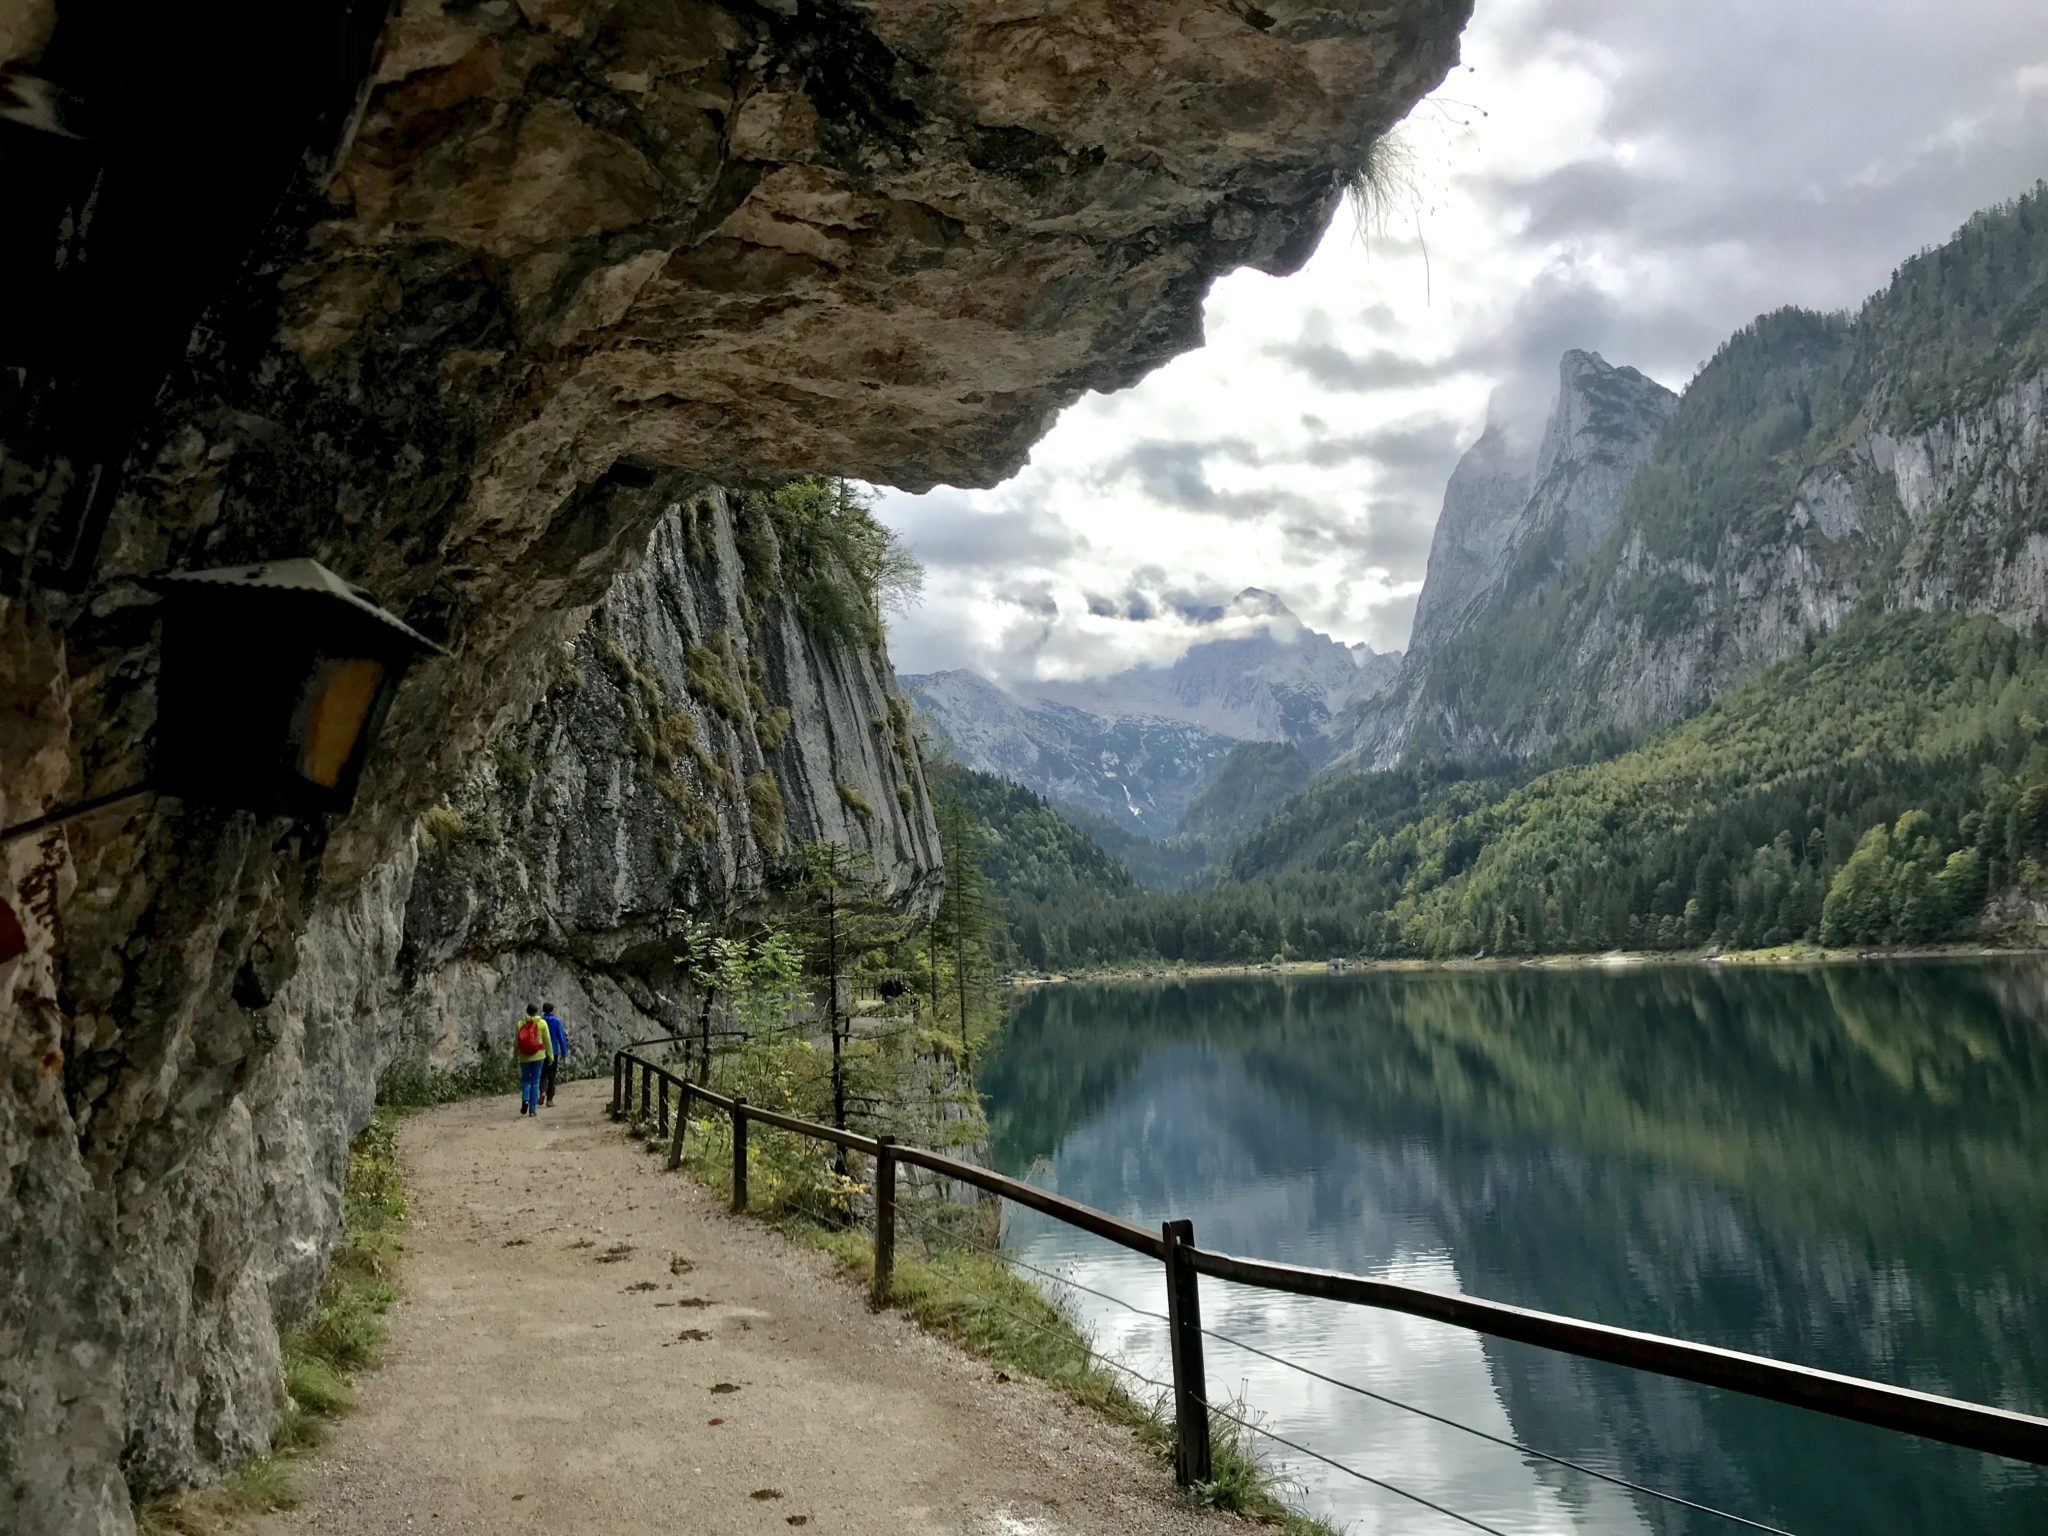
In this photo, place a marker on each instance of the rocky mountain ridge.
(1139, 772)
(1817, 464)
(1468, 552)
(1138, 746)
(1505, 537)
(1275, 679)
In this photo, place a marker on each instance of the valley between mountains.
(1763, 663)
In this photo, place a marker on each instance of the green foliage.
(959, 939)
(856, 802)
(1254, 779)
(411, 1085)
(565, 672)
(1030, 850)
(772, 728)
(260, 1486)
(1748, 427)
(985, 1306)
(817, 542)
(446, 832)
(1730, 828)
(698, 816)
(641, 690)
(764, 812)
(1167, 866)
(515, 768)
(711, 672)
(315, 1386)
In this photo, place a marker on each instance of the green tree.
(850, 919)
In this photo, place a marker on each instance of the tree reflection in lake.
(1846, 1167)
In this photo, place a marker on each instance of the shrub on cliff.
(841, 566)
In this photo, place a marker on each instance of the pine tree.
(848, 920)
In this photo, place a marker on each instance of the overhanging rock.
(573, 263)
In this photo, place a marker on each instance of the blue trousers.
(529, 1085)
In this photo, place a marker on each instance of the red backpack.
(529, 1035)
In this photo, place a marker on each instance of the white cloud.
(1635, 179)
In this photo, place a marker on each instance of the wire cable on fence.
(1378, 1397)
(1167, 1387)
(1364, 1477)
(1501, 1440)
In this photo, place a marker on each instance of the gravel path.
(588, 1344)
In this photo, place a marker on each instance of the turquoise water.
(1845, 1167)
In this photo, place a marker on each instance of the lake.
(1845, 1167)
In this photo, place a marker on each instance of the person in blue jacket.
(558, 1038)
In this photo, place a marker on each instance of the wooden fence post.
(662, 1123)
(675, 1145)
(885, 1217)
(646, 1088)
(618, 1083)
(1191, 1461)
(739, 1154)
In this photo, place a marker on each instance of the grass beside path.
(322, 1355)
(984, 1305)
(987, 1307)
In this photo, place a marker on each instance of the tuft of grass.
(342, 1335)
(856, 802)
(444, 830)
(708, 672)
(260, 1486)
(699, 820)
(1382, 185)
(772, 728)
(764, 812)
(441, 827)
(983, 1305)
(315, 1386)
(515, 768)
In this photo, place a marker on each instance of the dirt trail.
(587, 1343)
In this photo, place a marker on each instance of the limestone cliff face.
(695, 733)
(1933, 518)
(1936, 516)
(467, 325)
(1505, 554)
(1606, 421)
(1469, 550)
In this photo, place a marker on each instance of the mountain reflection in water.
(1845, 1167)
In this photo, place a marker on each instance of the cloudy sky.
(1638, 177)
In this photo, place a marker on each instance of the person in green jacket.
(533, 1046)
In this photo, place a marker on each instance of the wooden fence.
(1973, 1426)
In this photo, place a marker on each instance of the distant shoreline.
(1606, 960)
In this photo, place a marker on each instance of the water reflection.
(1841, 1167)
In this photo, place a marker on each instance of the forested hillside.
(1249, 787)
(1029, 852)
(1870, 792)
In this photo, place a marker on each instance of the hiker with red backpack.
(534, 1048)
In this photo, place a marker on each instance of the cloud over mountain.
(1603, 175)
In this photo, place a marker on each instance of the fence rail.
(1972, 1426)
